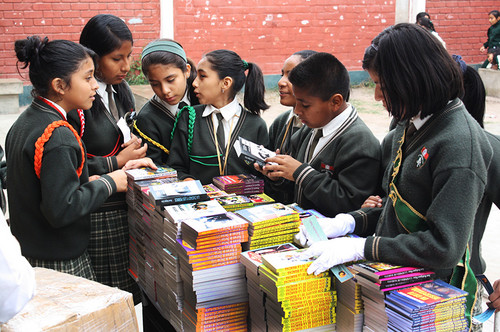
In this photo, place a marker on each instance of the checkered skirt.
(80, 266)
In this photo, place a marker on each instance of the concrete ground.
(376, 118)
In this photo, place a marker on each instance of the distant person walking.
(493, 35)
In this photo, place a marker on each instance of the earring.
(222, 89)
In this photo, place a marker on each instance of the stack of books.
(376, 279)
(259, 199)
(176, 193)
(296, 300)
(270, 224)
(213, 191)
(232, 203)
(213, 278)
(256, 297)
(349, 305)
(431, 306)
(241, 184)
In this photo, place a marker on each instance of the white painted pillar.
(407, 10)
(167, 19)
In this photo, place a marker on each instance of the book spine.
(276, 229)
(180, 200)
(199, 267)
(225, 238)
(212, 258)
(388, 274)
(269, 241)
(302, 288)
(280, 220)
(404, 280)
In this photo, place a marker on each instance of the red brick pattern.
(262, 31)
(463, 25)
(64, 19)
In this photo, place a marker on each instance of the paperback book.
(252, 153)
(145, 173)
(177, 193)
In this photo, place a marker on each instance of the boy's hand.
(495, 296)
(286, 166)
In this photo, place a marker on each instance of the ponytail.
(255, 89)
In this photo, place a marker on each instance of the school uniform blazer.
(156, 122)
(491, 195)
(443, 176)
(103, 139)
(203, 151)
(342, 174)
(50, 216)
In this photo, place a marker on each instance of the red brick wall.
(463, 25)
(268, 31)
(64, 19)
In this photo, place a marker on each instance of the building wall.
(463, 25)
(268, 31)
(262, 31)
(64, 19)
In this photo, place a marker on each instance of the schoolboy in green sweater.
(337, 163)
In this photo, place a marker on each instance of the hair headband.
(458, 59)
(245, 64)
(164, 46)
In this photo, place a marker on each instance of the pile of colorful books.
(213, 278)
(234, 203)
(270, 224)
(252, 261)
(241, 184)
(431, 306)
(376, 279)
(296, 300)
(350, 315)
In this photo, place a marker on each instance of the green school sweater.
(202, 163)
(446, 186)
(50, 216)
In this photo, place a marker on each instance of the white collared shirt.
(230, 113)
(418, 122)
(59, 108)
(104, 94)
(331, 128)
(173, 108)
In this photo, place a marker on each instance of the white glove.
(341, 225)
(334, 252)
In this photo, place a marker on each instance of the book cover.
(177, 193)
(288, 262)
(376, 270)
(252, 153)
(255, 256)
(266, 212)
(258, 199)
(232, 202)
(215, 223)
(427, 294)
(144, 173)
(240, 180)
(193, 210)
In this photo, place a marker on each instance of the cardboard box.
(63, 302)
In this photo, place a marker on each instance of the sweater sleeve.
(450, 219)
(64, 198)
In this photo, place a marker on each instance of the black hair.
(495, 13)
(416, 72)
(169, 58)
(321, 75)
(48, 60)
(229, 64)
(426, 23)
(474, 97)
(304, 54)
(422, 14)
(103, 34)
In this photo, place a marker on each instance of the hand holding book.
(341, 225)
(334, 252)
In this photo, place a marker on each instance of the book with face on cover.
(145, 173)
(252, 153)
(176, 213)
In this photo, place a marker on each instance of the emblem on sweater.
(422, 157)
(326, 167)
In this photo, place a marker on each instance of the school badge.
(422, 157)
(327, 168)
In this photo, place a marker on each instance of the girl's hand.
(285, 166)
(372, 201)
(133, 140)
(136, 163)
(94, 177)
(120, 179)
(133, 150)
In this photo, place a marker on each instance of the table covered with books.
(221, 257)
